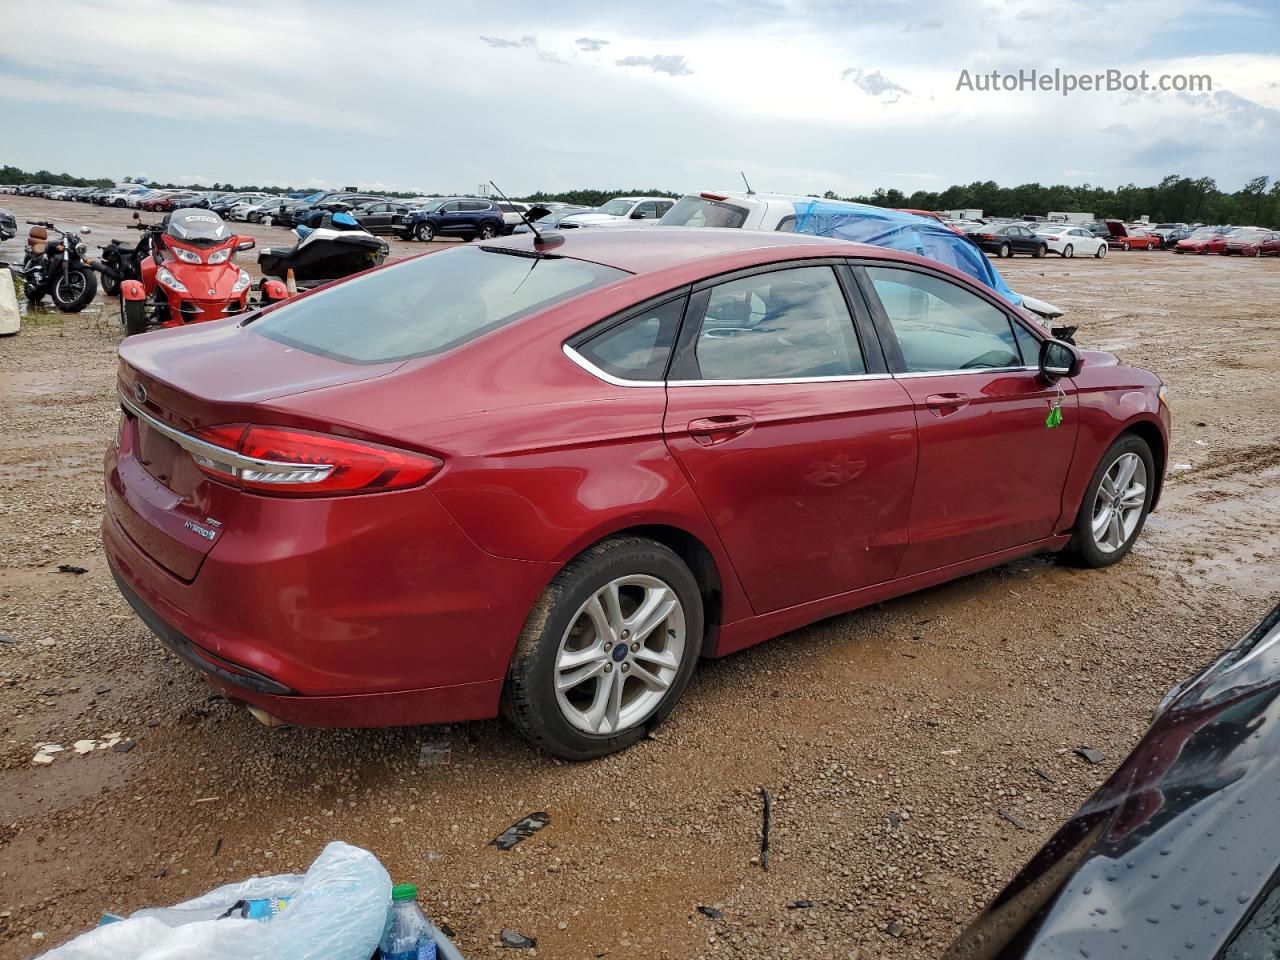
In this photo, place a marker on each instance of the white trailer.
(1058, 216)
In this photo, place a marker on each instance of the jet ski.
(337, 248)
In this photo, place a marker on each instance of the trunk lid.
(173, 383)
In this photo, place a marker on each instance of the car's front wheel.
(607, 650)
(1068, 251)
(488, 231)
(1040, 251)
(425, 232)
(1115, 504)
(1101, 251)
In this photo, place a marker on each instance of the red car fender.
(133, 290)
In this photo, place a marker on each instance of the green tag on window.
(1054, 418)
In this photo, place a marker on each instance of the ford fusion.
(545, 478)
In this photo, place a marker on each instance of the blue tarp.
(882, 227)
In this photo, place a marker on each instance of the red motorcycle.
(188, 274)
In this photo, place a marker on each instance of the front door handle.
(709, 430)
(944, 404)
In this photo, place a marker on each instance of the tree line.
(1174, 199)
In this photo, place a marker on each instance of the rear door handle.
(709, 430)
(943, 404)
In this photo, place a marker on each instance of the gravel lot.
(918, 752)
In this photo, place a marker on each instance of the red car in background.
(1252, 243)
(173, 201)
(548, 476)
(1132, 238)
(1204, 240)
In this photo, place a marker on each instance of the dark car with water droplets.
(1177, 856)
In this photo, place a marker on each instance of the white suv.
(622, 211)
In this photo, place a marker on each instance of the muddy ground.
(936, 708)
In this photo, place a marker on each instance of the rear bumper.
(402, 620)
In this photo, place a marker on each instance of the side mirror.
(246, 243)
(136, 215)
(85, 230)
(637, 215)
(1058, 360)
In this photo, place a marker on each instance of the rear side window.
(637, 348)
(701, 212)
(429, 304)
(940, 326)
(786, 324)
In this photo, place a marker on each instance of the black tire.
(1040, 251)
(1004, 251)
(1101, 251)
(529, 699)
(120, 203)
(133, 315)
(488, 231)
(254, 217)
(74, 290)
(425, 232)
(405, 236)
(1068, 251)
(110, 285)
(1125, 246)
(1083, 550)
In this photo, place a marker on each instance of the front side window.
(646, 211)
(780, 325)
(616, 208)
(428, 305)
(940, 326)
(637, 348)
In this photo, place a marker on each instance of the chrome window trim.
(599, 374)
(209, 451)
(956, 373)
(848, 378)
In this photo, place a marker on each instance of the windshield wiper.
(529, 254)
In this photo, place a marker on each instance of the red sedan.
(1132, 238)
(550, 477)
(1202, 241)
(1252, 243)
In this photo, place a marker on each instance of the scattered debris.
(1040, 772)
(45, 752)
(206, 799)
(85, 746)
(1005, 814)
(6, 639)
(711, 912)
(799, 904)
(764, 828)
(895, 821)
(895, 929)
(1093, 756)
(436, 751)
(522, 828)
(434, 855)
(951, 753)
(516, 940)
(71, 568)
(124, 746)
(1201, 443)
(1180, 467)
(217, 847)
(101, 689)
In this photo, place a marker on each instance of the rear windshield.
(429, 304)
(701, 212)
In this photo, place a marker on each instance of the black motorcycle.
(57, 268)
(121, 260)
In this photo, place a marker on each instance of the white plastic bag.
(336, 911)
(10, 319)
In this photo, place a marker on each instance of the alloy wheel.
(1117, 507)
(620, 655)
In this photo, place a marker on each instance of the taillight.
(298, 463)
(714, 196)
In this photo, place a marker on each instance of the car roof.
(651, 249)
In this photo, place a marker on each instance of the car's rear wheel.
(1115, 504)
(1040, 251)
(1068, 251)
(1125, 245)
(607, 650)
(425, 232)
(1004, 251)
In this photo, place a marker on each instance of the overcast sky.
(804, 95)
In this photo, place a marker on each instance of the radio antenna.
(538, 239)
(750, 192)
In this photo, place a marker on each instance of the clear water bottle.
(409, 934)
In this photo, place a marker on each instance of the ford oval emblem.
(140, 393)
